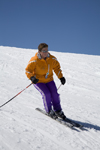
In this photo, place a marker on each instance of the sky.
(71, 26)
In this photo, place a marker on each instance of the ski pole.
(59, 87)
(16, 95)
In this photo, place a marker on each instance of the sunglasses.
(44, 51)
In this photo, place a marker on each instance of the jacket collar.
(39, 55)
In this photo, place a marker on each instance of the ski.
(61, 121)
(75, 124)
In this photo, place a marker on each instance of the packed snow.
(24, 128)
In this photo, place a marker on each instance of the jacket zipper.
(46, 76)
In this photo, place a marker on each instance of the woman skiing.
(40, 71)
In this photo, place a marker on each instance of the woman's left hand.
(63, 80)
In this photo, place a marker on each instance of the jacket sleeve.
(56, 68)
(30, 69)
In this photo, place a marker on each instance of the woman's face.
(44, 52)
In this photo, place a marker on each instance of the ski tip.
(37, 108)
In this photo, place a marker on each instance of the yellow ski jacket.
(43, 69)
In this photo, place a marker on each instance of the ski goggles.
(43, 51)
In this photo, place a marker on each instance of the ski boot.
(60, 114)
(52, 114)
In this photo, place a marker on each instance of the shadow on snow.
(88, 125)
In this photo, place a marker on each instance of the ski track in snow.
(23, 128)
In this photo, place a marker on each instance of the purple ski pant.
(49, 95)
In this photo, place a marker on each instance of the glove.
(34, 80)
(63, 80)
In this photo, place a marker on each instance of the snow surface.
(24, 128)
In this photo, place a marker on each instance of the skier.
(40, 71)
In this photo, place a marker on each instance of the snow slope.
(23, 128)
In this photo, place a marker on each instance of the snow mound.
(23, 128)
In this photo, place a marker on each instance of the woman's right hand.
(34, 80)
